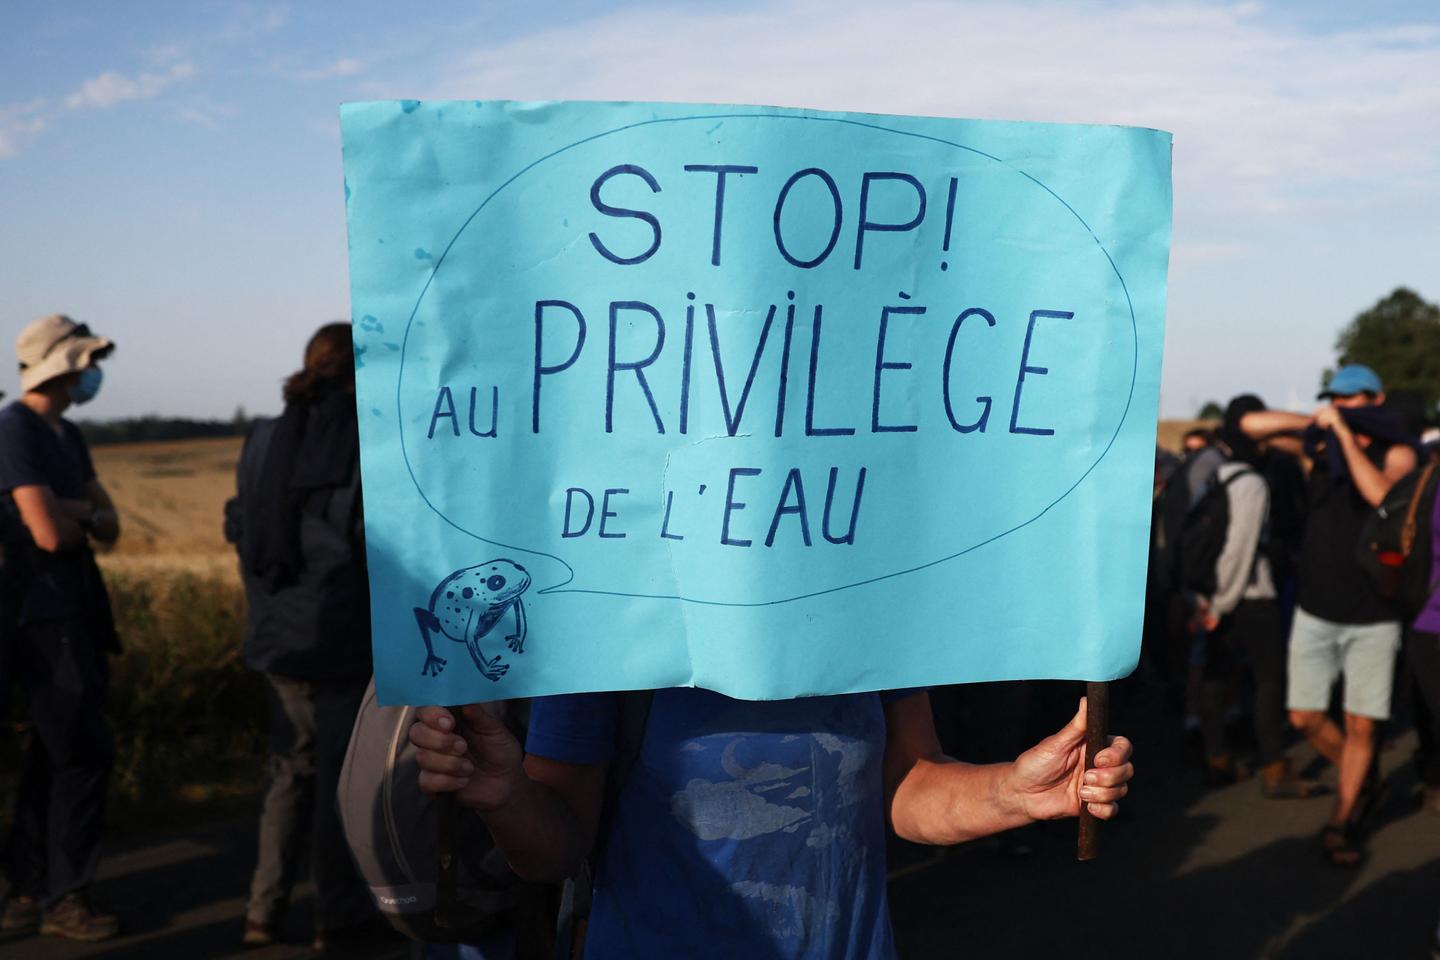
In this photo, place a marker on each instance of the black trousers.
(54, 843)
(1249, 637)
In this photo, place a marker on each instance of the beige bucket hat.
(54, 346)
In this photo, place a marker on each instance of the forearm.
(98, 521)
(104, 519)
(48, 519)
(1368, 478)
(945, 801)
(1261, 424)
(541, 837)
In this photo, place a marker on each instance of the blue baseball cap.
(1351, 379)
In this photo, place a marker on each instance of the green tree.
(1398, 338)
(1211, 411)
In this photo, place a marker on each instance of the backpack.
(1203, 534)
(1174, 504)
(1395, 541)
(392, 828)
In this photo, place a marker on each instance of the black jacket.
(316, 626)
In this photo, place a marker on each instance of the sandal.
(1342, 844)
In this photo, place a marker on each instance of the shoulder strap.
(629, 741)
(1244, 471)
(1407, 532)
(634, 716)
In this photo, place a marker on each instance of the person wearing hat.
(64, 632)
(1343, 628)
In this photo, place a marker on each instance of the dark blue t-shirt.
(55, 586)
(32, 454)
(745, 829)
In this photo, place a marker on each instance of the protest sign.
(769, 401)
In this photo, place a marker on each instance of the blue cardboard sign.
(769, 401)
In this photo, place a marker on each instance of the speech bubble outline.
(570, 571)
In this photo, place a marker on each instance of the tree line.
(1398, 338)
(154, 427)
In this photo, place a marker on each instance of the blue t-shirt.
(59, 586)
(32, 454)
(745, 828)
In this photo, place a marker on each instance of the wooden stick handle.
(447, 821)
(1097, 731)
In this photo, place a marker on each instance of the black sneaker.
(21, 915)
(74, 919)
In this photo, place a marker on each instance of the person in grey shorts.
(1343, 629)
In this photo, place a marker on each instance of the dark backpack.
(1395, 541)
(1203, 534)
(392, 829)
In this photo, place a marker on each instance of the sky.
(170, 173)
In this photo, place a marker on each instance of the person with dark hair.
(1242, 618)
(298, 525)
(1343, 627)
(1195, 440)
(63, 633)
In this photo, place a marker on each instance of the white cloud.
(344, 67)
(110, 88)
(1266, 119)
(203, 111)
(19, 124)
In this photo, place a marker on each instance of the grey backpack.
(391, 826)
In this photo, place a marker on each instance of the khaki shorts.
(1363, 653)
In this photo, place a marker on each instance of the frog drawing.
(467, 605)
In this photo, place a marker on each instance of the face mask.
(87, 386)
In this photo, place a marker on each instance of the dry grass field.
(1171, 431)
(171, 498)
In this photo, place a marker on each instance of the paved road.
(1186, 873)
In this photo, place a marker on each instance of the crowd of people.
(1262, 600)
(1272, 589)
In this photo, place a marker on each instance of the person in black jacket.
(298, 524)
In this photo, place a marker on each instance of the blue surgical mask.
(84, 389)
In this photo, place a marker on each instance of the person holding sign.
(744, 826)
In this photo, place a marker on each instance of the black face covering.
(1241, 446)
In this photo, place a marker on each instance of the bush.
(190, 721)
